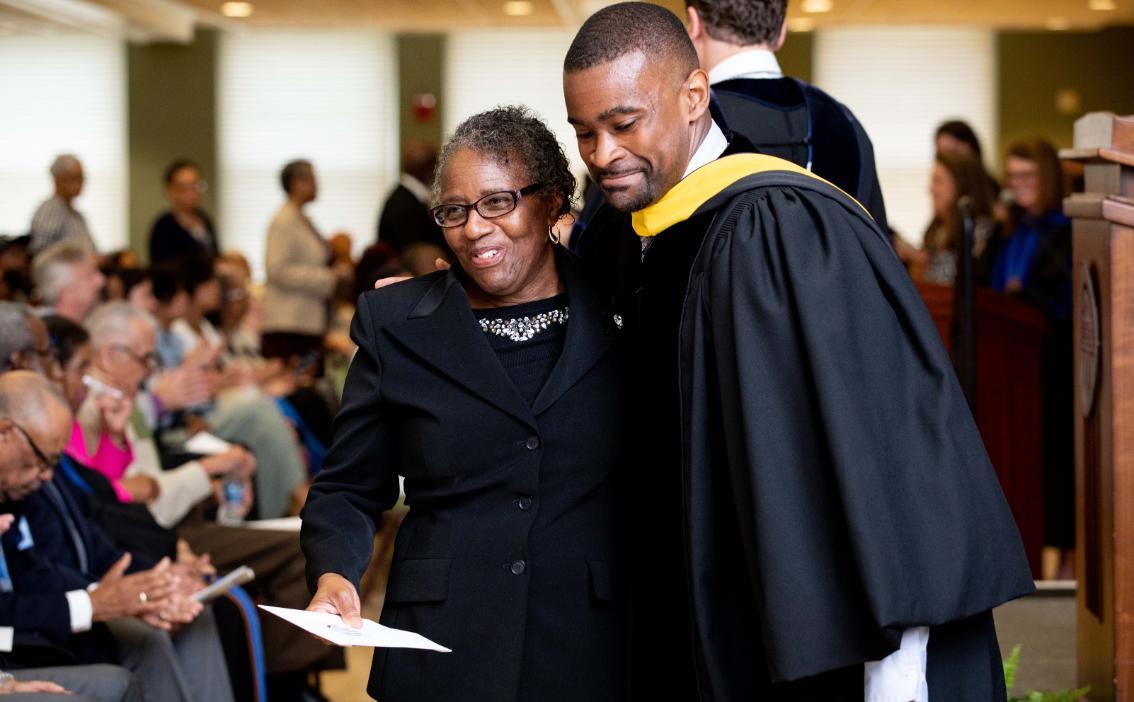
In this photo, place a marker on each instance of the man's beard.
(625, 199)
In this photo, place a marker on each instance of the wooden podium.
(1009, 398)
(1103, 232)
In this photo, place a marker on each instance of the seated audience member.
(378, 261)
(1031, 260)
(123, 356)
(185, 229)
(421, 259)
(15, 268)
(955, 177)
(81, 683)
(273, 555)
(67, 280)
(302, 277)
(237, 411)
(57, 220)
(405, 216)
(66, 578)
(255, 376)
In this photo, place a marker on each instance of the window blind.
(327, 96)
(484, 69)
(901, 83)
(64, 93)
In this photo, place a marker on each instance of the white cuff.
(900, 676)
(82, 612)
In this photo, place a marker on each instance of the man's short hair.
(742, 22)
(15, 332)
(51, 268)
(291, 171)
(63, 164)
(629, 27)
(110, 322)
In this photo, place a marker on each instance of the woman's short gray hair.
(513, 135)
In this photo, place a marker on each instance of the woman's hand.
(336, 595)
(115, 412)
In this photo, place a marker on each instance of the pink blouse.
(109, 459)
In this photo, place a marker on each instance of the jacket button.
(518, 567)
(524, 503)
(532, 443)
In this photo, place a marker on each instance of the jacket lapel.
(443, 332)
(587, 336)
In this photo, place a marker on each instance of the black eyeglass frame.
(517, 195)
(42, 457)
(148, 361)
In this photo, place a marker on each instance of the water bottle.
(230, 511)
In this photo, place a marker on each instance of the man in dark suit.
(736, 41)
(55, 555)
(405, 217)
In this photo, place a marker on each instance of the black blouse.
(527, 339)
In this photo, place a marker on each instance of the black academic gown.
(794, 120)
(811, 482)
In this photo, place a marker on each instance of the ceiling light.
(1102, 5)
(800, 24)
(816, 6)
(1057, 24)
(517, 8)
(236, 9)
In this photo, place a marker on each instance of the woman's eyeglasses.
(490, 206)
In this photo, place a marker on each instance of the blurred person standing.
(57, 219)
(1031, 260)
(405, 216)
(184, 230)
(957, 137)
(736, 41)
(302, 278)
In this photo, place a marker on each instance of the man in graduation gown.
(736, 41)
(811, 511)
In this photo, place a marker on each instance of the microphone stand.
(963, 330)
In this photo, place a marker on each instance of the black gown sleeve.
(358, 480)
(867, 502)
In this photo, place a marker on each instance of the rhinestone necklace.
(524, 328)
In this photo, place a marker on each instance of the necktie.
(56, 497)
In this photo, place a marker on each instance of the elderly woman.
(491, 388)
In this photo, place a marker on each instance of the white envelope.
(332, 628)
(206, 444)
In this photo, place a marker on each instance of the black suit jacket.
(169, 241)
(405, 220)
(508, 554)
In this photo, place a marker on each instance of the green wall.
(795, 55)
(420, 59)
(1035, 67)
(172, 111)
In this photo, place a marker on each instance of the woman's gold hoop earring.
(552, 234)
